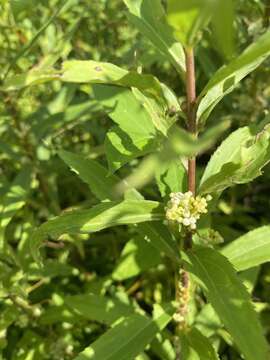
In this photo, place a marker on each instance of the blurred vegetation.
(35, 322)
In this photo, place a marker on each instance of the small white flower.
(186, 209)
(186, 222)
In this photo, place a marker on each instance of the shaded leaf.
(98, 308)
(121, 149)
(14, 198)
(188, 18)
(223, 27)
(160, 237)
(137, 256)
(128, 338)
(196, 346)
(149, 17)
(92, 173)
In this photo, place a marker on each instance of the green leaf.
(128, 338)
(223, 27)
(149, 17)
(89, 71)
(195, 346)
(156, 110)
(207, 321)
(227, 77)
(137, 256)
(238, 160)
(163, 347)
(121, 149)
(33, 77)
(249, 250)
(93, 72)
(183, 143)
(161, 239)
(188, 17)
(230, 300)
(98, 308)
(92, 173)
(100, 217)
(96, 176)
(125, 110)
(20, 6)
(136, 134)
(171, 177)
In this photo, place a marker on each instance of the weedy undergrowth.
(166, 134)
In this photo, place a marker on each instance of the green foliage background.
(40, 317)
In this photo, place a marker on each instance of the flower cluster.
(186, 209)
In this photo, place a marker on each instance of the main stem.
(183, 285)
(191, 113)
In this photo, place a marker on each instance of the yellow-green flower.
(186, 209)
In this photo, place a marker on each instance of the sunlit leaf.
(249, 250)
(227, 77)
(171, 177)
(100, 217)
(238, 160)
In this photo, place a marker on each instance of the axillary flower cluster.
(186, 209)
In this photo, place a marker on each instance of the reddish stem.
(191, 113)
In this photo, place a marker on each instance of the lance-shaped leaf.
(32, 77)
(227, 77)
(93, 72)
(249, 250)
(128, 338)
(238, 160)
(149, 17)
(92, 173)
(98, 308)
(230, 300)
(96, 176)
(100, 217)
(196, 346)
(89, 71)
(158, 234)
